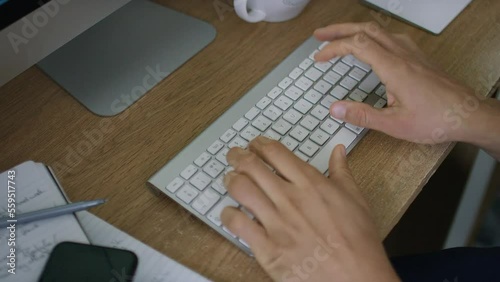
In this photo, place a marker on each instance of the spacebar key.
(344, 136)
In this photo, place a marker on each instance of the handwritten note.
(153, 266)
(35, 189)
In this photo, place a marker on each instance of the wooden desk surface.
(40, 121)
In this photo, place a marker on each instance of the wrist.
(481, 127)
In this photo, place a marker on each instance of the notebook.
(37, 188)
(431, 15)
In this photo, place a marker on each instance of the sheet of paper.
(34, 190)
(153, 266)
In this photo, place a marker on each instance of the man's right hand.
(424, 104)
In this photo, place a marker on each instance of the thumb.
(341, 175)
(360, 114)
(338, 162)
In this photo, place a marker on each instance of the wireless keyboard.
(291, 104)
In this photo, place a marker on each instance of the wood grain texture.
(112, 158)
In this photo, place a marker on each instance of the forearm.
(483, 127)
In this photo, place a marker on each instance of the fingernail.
(343, 151)
(234, 154)
(259, 141)
(264, 140)
(338, 111)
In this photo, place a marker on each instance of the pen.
(50, 212)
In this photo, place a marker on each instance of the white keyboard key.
(295, 73)
(271, 134)
(323, 45)
(175, 185)
(215, 147)
(384, 96)
(354, 128)
(380, 103)
(370, 82)
(200, 181)
(309, 148)
(250, 133)
(222, 156)
(205, 201)
(357, 74)
(273, 113)
(263, 103)
(218, 185)
(281, 126)
(313, 74)
(330, 126)
(214, 215)
(299, 133)
(358, 95)
(303, 106)
(188, 172)
(285, 83)
(238, 142)
(320, 112)
(202, 159)
(313, 54)
(213, 168)
(313, 96)
(261, 123)
(319, 137)
(309, 122)
(304, 83)
(337, 120)
(328, 101)
(301, 156)
(341, 68)
(334, 60)
(253, 113)
(322, 86)
(306, 64)
(353, 61)
(348, 83)
(349, 60)
(339, 92)
(292, 116)
(380, 91)
(294, 93)
(344, 136)
(230, 134)
(275, 92)
(187, 194)
(240, 124)
(290, 143)
(323, 66)
(332, 77)
(283, 103)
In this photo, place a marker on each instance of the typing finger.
(246, 162)
(246, 192)
(365, 49)
(283, 160)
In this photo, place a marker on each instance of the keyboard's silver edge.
(199, 145)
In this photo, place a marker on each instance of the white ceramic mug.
(269, 10)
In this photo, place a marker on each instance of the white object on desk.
(153, 266)
(432, 15)
(269, 10)
(35, 190)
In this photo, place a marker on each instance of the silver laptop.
(431, 15)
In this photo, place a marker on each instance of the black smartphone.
(79, 262)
